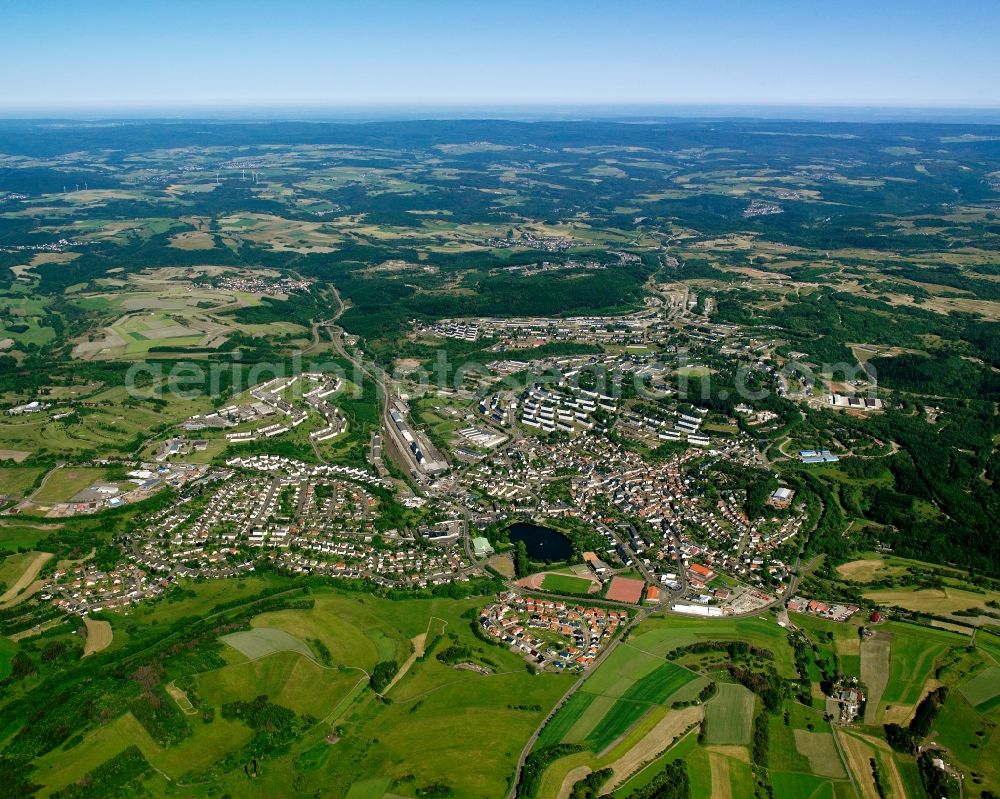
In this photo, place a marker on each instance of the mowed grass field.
(729, 715)
(934, 600)
(821, 751)
(262, 641)
(983, 690)
(565, 584)
(875, 659)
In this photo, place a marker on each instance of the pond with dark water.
(543, 543)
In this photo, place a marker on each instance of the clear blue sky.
(113, 53)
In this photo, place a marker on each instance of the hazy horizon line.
(513, 110)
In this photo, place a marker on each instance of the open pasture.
(354, 634)
(287, 678)
(208, 744)
(15, 534)
(970, 734)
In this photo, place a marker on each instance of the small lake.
(543, 543)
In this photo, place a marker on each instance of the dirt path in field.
(570, 780)
(418, 651)
(14, 594)
(99, 635)
(875, 671)
(654, 743)
(722, 788)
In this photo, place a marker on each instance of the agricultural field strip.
(983, 688)
(10, 596)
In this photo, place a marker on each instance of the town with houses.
(568, 449)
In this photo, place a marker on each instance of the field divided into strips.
(615, 698)
(685, 749)
(729, 715)
(568, 715)
(983, 690)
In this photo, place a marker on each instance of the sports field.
(625, 589)
(566, 584)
